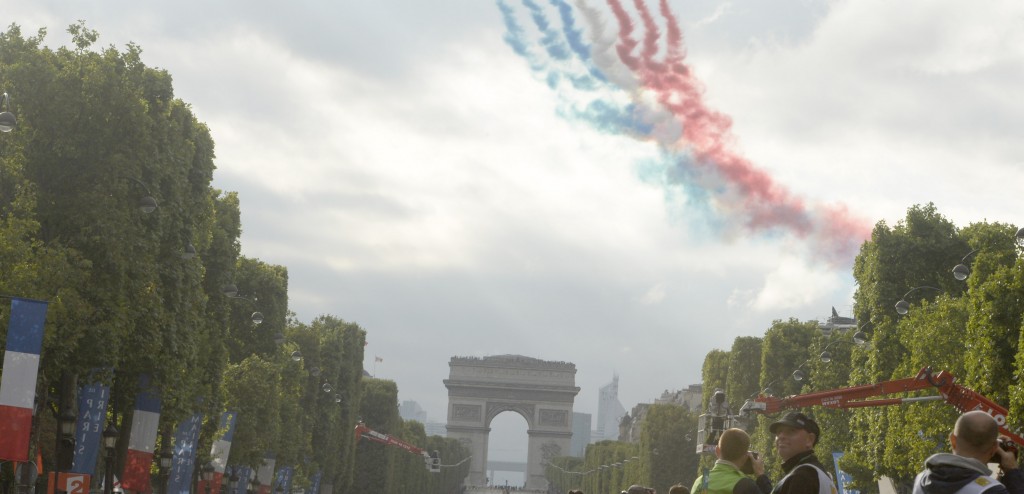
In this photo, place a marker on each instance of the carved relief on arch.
(524, 409)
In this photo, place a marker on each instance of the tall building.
(410, 410)
(609, 411)
(580, 434)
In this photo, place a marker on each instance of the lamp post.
(66, 453)
(859, 338)
(207, 476)
(903, 307)
(147, 204)
(7, 120)
(166, 457)
(109, 444)
(231, 291)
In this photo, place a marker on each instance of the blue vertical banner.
(284, 479)
(244, 474)
(314, 482)
(186, 438)
(842, 478)
(92, 411)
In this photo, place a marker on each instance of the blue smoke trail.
(600, 114)
(514, 37)
(575, 39)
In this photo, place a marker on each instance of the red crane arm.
(363, 431)
(961, 398)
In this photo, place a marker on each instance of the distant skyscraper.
(609, 411)
(580, 434)
(410, 410)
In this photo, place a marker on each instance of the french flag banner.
(265, 473)
(20, 371)
(186, 437)
(92, 412)
(220, 451)
(142, 441)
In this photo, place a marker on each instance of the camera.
(748, 467)
(1005, 445)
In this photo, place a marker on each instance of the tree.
(667, 446)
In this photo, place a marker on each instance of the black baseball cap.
(797, 420)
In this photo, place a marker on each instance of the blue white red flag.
(20, 372)
(220, 451)
(265, 473)
(142, 441)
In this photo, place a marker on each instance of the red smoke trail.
(626, 42)
(706, 134)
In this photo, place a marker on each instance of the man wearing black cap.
(795, 437)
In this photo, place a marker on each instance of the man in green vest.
(727, 476)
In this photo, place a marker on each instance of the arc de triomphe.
(541, 391)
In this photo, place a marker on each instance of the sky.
(460, 180)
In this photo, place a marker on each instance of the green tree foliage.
(744, 366)
(97, 132)
(667, 446)
(785, 348)
(606, 469)
(714, 374)
(971, 329)
(247, 384)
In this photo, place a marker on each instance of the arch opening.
(507, 447)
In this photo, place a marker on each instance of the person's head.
(733, 445)
(637, 489)
(679, 489)
(975, 435)
(794, 434)
(575, 491)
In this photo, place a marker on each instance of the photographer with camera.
(731, 470)
(975, 441)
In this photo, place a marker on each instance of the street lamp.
(147, 204)
(903, 307)
(859, 338)
(207, 475)
(231, 291)
(109, 443)
(961, 271)
(7, 120)
(67, 440)
(166, 458)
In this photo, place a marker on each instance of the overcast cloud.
(414, 176)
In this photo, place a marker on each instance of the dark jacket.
(803, 480)
(947, 473)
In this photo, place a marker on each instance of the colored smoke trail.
(601, 111)
(668, 107)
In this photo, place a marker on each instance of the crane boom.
(362, 431)
(959, 397)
